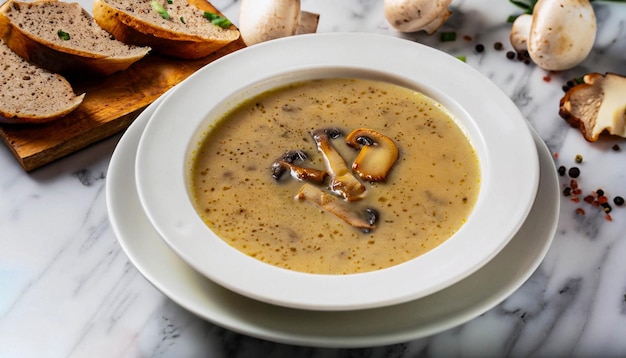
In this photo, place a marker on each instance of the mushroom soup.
(269, 178)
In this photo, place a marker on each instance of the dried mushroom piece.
(377, 155)
(341, 209)
(342, 181)
(597, 105)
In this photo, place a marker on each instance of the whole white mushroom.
(417, 15)
(264, 20)
(561, 35)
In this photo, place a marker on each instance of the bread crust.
(60, 59)
(134, 30)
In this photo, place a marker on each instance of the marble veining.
(67, 289)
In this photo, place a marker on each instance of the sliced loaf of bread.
(63, 38)
(176, 28)
(31, 94)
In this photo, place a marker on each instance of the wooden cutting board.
(110, 105)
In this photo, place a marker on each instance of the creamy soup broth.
(427, 196)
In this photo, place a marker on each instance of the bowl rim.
(505, 147)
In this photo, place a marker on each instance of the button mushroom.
(342, 181)
(264, 20)
(377, 155)
(332, 204)
(286, 162)
(417, 15)
(561, 34)
(597, 105)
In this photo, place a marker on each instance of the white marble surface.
(67, 289)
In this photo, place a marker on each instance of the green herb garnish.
(63, 35)
(217, 20)
(462, 58)
(170, 1)
(182, 19)
(160, 9)
(448, 36)
(528, 6)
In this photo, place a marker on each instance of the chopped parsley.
(160, 9)
(447, 36)
(217, 20)
(182, 19)
(63, 35)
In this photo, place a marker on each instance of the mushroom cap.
(416, 15)
(264, 20)
(562, 33)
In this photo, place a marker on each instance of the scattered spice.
(578, 158)
(567, 191)
(510, 55)
(63, 35)
(616, 147)
(597, 199)
(573, 172)
(479, 48)
(547, 78)
(498, 46)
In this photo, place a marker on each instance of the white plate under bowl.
(497, 130)
(445, 309)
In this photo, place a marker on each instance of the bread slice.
(63, 38)
(31, 94)
(186, 33)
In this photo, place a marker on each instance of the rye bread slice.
(179, 30)
(31, 94)
(62, 37)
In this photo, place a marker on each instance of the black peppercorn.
(562, 170)
(618, 200)
(606, 207)
(600, 192)
(567, 191)
(510, 55)
(480, 48)
(498, 46)
(573, 172)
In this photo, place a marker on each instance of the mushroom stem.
(340, 209)
(378, 154)
(342, 181)
(285, 162)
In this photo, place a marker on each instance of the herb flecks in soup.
(424, 198)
